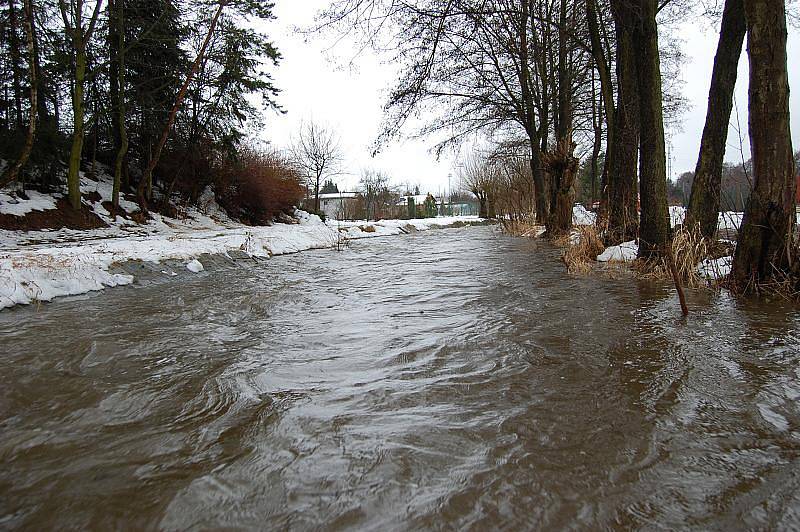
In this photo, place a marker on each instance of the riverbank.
(42, 265)
(698, 262)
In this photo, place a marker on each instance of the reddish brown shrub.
(259, 187)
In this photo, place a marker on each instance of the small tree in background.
(317, 154)
(329, 187)
(376, 193)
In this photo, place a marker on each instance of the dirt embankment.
(63, 216)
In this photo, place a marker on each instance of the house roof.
(338, 195)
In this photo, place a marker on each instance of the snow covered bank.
(46, 270)
(42, 271)
(42, 265)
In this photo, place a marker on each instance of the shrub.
(582, 249)
(258, 186)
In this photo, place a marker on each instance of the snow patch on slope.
(17, 206)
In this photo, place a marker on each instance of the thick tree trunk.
(560, 163)
(12, 172)
(563, 167)
(764, 247)
(654, 228)
(623, 154)
(484, 210)
(539, 188)
(703, 211)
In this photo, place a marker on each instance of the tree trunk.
(764, 247)
(560, 163)
(621, 160)
(595, 158)
(73, 174)
(41, 103)
(654, 228)
(703, 211)
(484, 210)
(78, 38)
(14, 46)
(316, 195)
(539, 189)
(116, 16)
(12, 172)
(563, 167)
(607, 91)
(147, 176)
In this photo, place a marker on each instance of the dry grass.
(781, 285)
(582, 249)
(689, 249)
(524, 227)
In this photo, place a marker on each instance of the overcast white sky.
(316, 85)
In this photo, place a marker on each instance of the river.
(450, 379)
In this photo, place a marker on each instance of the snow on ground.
(362, 229)
(581, 216)
(715, 268)
(42, 265)
(624, 252)
(17, 206)
(195, 266)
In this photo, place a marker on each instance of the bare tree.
(375, 190)
(317, 154)
(478, 175)
(79, 32)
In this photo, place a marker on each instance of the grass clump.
(582, 248)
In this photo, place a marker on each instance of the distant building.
(338, 205)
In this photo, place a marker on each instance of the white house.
(337, 205)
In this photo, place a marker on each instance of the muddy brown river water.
(454, 379)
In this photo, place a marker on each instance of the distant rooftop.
(337, 195)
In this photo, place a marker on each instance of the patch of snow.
(715, 268)
(195, 266)
(41, 276)
(17, 206)
(730, 220)
(624, 252)
(581, 216)
(307, 218)
(676, 215)
(207, 204)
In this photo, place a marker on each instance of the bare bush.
(259, 187)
